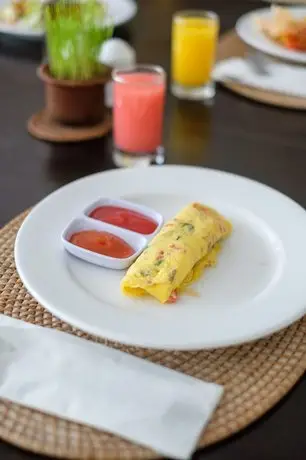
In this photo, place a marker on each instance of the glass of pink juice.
(138, 109)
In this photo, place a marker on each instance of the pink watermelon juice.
(138, 111)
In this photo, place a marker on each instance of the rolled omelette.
(178, 254)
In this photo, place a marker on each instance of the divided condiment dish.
(138, 241)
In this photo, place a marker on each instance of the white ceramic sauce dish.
(146, 212)
(83, 223)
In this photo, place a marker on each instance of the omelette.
(178, 254)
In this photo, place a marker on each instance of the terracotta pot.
(73, 102)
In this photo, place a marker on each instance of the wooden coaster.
(255, 377)
(230, 45)
(43, 128)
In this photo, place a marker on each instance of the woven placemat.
(255, 377)
(287, 2)
(230, 45)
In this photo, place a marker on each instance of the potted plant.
(74, 79)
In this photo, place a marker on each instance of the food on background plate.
(11, 13)
(124, 218)
(29, 11)
(284, 28)
(102, 243)
(178, 254)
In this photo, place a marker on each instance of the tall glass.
(138, 109)
(194, 42)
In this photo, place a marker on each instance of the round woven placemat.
(287, 2)
(255, 377)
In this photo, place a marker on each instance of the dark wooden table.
(235, 135)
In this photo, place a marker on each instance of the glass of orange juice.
(194, 41)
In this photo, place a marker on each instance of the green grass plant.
(75, 32)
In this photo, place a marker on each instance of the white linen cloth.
(280, 77)
(108, 389)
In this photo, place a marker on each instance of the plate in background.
(121, 12)
(248, 31)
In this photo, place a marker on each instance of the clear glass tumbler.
(194, 41)
(138, 111)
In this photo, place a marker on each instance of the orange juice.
(194, 40)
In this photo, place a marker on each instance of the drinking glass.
(194, 41)
(138, 109)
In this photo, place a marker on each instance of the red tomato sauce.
(125, 218)
(102, 243)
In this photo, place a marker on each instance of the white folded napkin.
(113, 391)
(282, 78)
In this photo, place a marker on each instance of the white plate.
(121, 11)
(22, 30)
(258, 286)
(248, 31)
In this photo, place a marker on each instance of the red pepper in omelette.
(178, 254)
